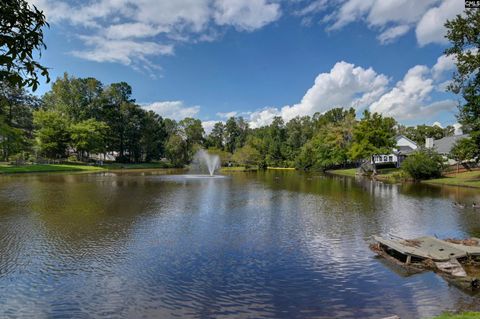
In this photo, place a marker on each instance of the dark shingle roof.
(445, 145)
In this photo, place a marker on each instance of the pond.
(275, 244)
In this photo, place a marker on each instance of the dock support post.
(409, 259)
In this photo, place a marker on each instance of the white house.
(404, 146)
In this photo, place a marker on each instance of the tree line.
(82, 116)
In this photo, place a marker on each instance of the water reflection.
(268, 244)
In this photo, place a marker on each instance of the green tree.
(464, 149)
(335, 115)
(463, 32)
(424, 164)
(192, 132)
(52, 133)
(246, 156)
(21, 36)
(236, 133)
(329, 147)
(277, 135)
(88, 137)
(153, 136)
(299, 132)
(374, 134)
(16, 107)
(12, 140)
(176, 150)
(217, 136)
(419, 133)
(79, 99)
(116, 111)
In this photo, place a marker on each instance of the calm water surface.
(274, 244)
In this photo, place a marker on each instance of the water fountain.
(203, 159)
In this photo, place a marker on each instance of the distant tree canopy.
(21, 38)
(82, 116)
(419, 133)
(374, 134)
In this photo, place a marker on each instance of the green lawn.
(465, 315)
(384, 174)
(38, 168)
(44, 168)
(469, 179)
(344, 172)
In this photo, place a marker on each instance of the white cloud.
(312, 7)
(392, 33)
(431, 27)
(443, 65)
(346, 85)
(208, 126)
(131, 32)
(392, 19)
(245, 14)
(176, 110)
(263, 117)
(409, 99)
(350, 11)
(121, 51)
(401, 11)
(227, 115)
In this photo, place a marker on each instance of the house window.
(390, 158)
(385, 159)
(379, 158)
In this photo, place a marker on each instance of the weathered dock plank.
(427, 248)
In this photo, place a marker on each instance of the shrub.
(424, 164)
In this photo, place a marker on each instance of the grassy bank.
(465, 315)
(466, 179)
(343, 172)
(384, 174)
(49, 168)
(40, 168)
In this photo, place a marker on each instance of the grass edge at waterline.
(53, 168)
(464, 315)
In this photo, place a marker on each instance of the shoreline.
(7, 169)
(470, 179)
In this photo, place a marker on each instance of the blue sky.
(261, 58)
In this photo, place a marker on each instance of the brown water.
(275, 244)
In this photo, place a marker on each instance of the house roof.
(445, 145)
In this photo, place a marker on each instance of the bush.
(424, 164)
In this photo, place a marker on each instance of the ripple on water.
(248, 246)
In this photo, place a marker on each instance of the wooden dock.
(429, 253)
(429, 248)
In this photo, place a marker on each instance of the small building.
(404, 146)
